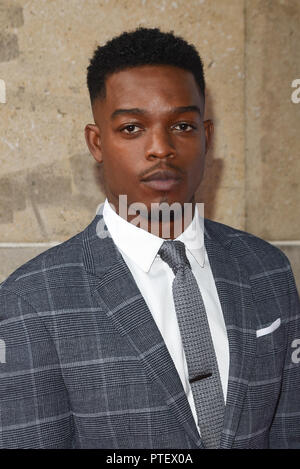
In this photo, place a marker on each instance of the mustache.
(159, 167)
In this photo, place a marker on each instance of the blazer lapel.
(234, 290)
(116, 290)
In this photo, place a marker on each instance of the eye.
(129, 129)
(184, 127)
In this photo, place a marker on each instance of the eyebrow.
(138, 111)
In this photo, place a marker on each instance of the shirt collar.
(142, 247)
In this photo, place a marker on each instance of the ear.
(93, 141)
(209, 130)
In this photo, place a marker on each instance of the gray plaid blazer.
(83, 364)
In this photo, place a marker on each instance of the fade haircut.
(143, 46)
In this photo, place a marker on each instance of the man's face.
(150, 120)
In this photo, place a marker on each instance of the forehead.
(152, 85)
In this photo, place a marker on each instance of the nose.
(160, 145)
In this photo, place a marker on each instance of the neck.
(162, 222)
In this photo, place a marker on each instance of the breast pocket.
(270, 339)
(269, 356)
(266, 374)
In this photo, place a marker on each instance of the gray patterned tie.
(201, 360)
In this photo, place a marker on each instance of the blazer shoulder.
(246, 246)
(61, 259)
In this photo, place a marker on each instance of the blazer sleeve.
(285, 429)
(34, 405)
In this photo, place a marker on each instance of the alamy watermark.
(295, 96)
(296, 353)
(2, 92)
(178, 215)
(2, 351)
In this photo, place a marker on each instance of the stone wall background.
(49, 183)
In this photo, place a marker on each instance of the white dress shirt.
(154, 278)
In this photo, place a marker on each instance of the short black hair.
(143, 46)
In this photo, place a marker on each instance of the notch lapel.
(116, 290)
(234, 291)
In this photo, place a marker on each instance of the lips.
(162, 180)
(161, 175)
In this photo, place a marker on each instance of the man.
(121, 338)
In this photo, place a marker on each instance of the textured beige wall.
(49, 187)
(49, 184)
(272, 119)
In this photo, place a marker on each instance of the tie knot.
(173, 253)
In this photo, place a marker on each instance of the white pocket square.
(269, 329)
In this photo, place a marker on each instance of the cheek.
(124, 166)
(120, 156)
(196, 172)
(119, 173)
